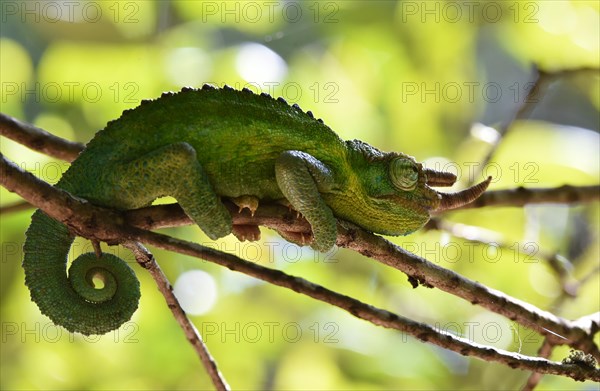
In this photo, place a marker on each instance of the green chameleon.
(199, 146)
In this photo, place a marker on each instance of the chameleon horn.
(439, 178)
(460, 198)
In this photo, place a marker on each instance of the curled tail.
(73, 302)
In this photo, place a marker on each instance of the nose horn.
(460, 198)
(439, 178)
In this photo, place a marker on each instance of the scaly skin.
(198, 146)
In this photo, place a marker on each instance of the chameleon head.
(395, 195)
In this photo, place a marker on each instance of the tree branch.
(518, 197)
(373, 314)
(38, 139)
(15, 207)
(106, 225)
(558, 330)
(521, 196)
(148, 262)
(560, 265)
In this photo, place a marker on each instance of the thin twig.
(148, 262)
(380, 249)
(38, 139)
(525, 108)
(572, 289)
(110, 226)
(544, 351)
(16, 207)
(559, 264)
(587, 277)
(537, 91)
(558, 330)
(520, 196)
(370, 313)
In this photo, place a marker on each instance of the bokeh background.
(431, 79)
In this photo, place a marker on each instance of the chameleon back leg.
(174, 171)
(74, 302)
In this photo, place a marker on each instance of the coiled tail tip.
(76, 302)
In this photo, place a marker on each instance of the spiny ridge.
(207, 88)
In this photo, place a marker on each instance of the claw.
(250, 233)
(246, 201)
(299, 238)
(290, 207)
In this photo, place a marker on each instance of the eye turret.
(404, 173)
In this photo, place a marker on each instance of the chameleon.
(204, 145)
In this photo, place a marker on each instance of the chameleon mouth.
(456, 199)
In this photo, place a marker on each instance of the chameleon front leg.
(173, 171)
(300, 177)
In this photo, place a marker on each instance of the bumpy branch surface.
(38, 139)
(105, 225)
(521, 196)
(558, 330)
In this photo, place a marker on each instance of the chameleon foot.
(285, 203)
(299, 238)
(250, 233)
(290, 207)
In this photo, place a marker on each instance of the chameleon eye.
(404, 174)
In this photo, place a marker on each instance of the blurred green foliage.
(412, 76)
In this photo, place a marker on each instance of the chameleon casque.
(199, 145)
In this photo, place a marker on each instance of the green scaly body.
(199, 146)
